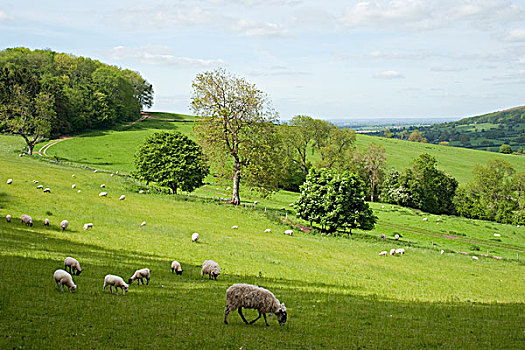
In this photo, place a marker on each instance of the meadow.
(339, 293)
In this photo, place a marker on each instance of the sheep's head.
(281, 315)
(125, 287)
(130, 281)
(73, 288)
(179, 272)
(78, 272)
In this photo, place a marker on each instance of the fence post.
(460, 248)
(286, 216)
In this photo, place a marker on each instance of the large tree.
(171, 160)
(373, 166)
(236, 129)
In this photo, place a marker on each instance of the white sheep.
(392, 252)
(211, 268)
(73, 175)
(425, 219)
(8, 218)
(382, 207)
(73, 186)
(175, 267)
(47, 190)
(141, 191)
(73, 264)
(267, 230)
(383, 253)
(95, 171)
(143, 223)
(288, 232)
(253, 297)
(46, 222)
(442, 252)
(497, 235)
(35, 181)
(400, 251)
(64, 278)
(103, 194)
(88, 226)
(26, 219)
(396, 237)
(235, 227)
(475, 258)
(139, 275)
(122, 197)
(64, 224)
(103, 186)
(79, 191)
(39, 187)
(9, 181)
(195, 237)
(115, 281)
(111, 175)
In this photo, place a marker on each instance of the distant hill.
(484, 132)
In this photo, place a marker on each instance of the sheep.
(9, 181)
(103, 194)
(46, 222)
(122, 197)
(267, 230)
(400, 251)
(235, 227)
(211, 268)
(383, 236)
(396, 237)
(175, 267)
(73, 186)
(8, 218)
(73, 175)
(73, 264)
(497, 235)
(88, 226)
(382, 207)
(26, 219)
(392, 252)
(102, 186)
(475, 258)
(95, 171)
(425, 219)
(290, 205)
(47, 190)
(195, 237)
(115, 281)
(255, 202)
(39, 187)
(143, 223)
(35, 181)
(64, 224)
(383, 253)
(139, 275)
(442, 252)
(288, 232)
(141, 191)
(253, 297)
(79, 191)
(64, 278)
(111, 175)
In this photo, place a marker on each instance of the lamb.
(211, 268)
(141, 191)
(383, 253)
(143, 223)
(235, 227)
(8, 218)
(392, 252)
(64, 278)
(26, 219)
(103, 194)
(39, 187)
(442, 252)
(253, 297)
(95, 171)
(73, 264)
(267, 230)
(102, 186)
(46, 222)
(400, 251)
(35, 181)
(122, 197)
(175, 266)
(383, 236)
(288, 232)
(47, 190)
(64, 224)
(425, 219)
(396, 237)
(195, 237)
(73, 186)
(9, 181)
(115, 281)
(497, 235)
(88, 226)
(139, 275)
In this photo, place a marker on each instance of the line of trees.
(44, 93)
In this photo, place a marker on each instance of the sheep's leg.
(111, 289)
(172, 270)
(147, 281)
(265, 320)
(104, 289)
(123, 291)
(226, 312)
(258, 317)
(242, 316)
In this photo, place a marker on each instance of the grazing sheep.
(102, 186)
(396, 237)
(195, 237)
(235, 227)
(46, 222)
(64, 278)
(95, 171)
(139, 275)
(9, 181)
(143, 223)
(73, 264)
(425, 219)
(79, 191)
(115, 281)
(392, 252)
(267, 230)
(88, 226)
(175, 267)
(253, 297)
(47, 190)
(383, 253)
(122, 197)
(39, 187)
(73, 175)
(475, 258)
(383, 236)
(255, 202)
(35, 181)
(290, 205)
(73, 186)
(442, 252)
(64, 224)
(211, 268)
(103, 194)
(400, 251)
(497, 235)
(111, 175)
(26, 219)
(141, 191)
(382, 207)
(8, 218)
(288, 232)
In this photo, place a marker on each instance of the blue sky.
(329, 60)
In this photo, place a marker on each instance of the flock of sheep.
(238, 296)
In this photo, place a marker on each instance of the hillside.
(337, 285)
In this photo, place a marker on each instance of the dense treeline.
(45, 93)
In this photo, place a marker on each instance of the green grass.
(338, 292)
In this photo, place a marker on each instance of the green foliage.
(417, 136)
(172, 160)
(334, 201)
(505, 149)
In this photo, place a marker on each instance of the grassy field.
(338, 292)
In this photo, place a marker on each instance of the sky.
(326, 59)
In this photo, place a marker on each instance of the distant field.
(338, 291)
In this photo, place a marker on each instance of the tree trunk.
(371, 191)
(235, 195)
(29, 149)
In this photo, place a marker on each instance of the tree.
(337, 148)
(236, 129)
(299, 135)
(417, 136)
(505, 149)
(373, 159)
(334, 201)
(171, 160)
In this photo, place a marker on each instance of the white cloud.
(516, 35)
(4, 17)
(389, 74)
(160, 56)
(260, 29)
(448, 69)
